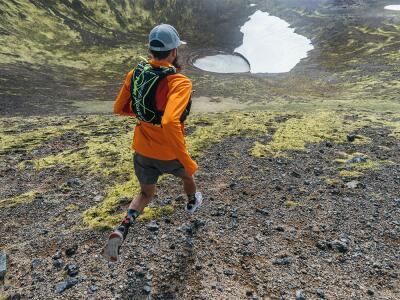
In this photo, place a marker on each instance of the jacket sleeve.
(122, 103)
(180, 90)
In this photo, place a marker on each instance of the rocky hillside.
(297, 205)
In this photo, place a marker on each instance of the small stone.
(295, 174)
(263, 211)
(72, 270)
(371, 292)
(234, 213)
(36, 263)
(351, 137)
(58, 263)
(317, 172)
(199, 223)
(229, 272)
(153, 226)
(57, 255)
(300, 295)
(321, 245)
(147, 289)
(71, 251)
(62, 286)
(180, 198)
(74, 182)
(220, 211)
(16, 296)
(320, 293)
(280, 228)
(190, 241)
(3, 265)
(93, 288)
(249, 293)
(98, 198)
(357, 160)
(352, 184)
(198, 267)
(140, 274)
(339, 246)
(283, 261)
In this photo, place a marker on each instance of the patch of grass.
(291, 203)
(350, 174)
(102, 215)
(345, 161)
(72, 207)
(151, 213)
(17, 200)
(331, 181)
(30, 139)
(310, 128)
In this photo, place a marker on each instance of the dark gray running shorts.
(148, 170)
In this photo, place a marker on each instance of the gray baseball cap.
(167, 35)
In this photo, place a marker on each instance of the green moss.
(331, 181)
(345, 158)
(102, 215)
(290, 203)
(353, 170)
(350, 174)
(17, 200)
(156, 212)
(219, 127)
(30, 139)
(72, 207)
(297, 133)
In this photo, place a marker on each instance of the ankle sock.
(131, 216)
(129, 219)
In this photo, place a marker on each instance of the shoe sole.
(111, 250)
(195, 207)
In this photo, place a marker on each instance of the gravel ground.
(270, 228)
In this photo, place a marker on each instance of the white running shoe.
(111, 249)
(192, 207)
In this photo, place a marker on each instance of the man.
(160, 98)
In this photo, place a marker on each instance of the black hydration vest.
(145, 80)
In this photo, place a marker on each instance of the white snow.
(393, 7)
(252, 4)
(222, 63)
(270, 45)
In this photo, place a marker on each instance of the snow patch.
(222, 63)
(393, 7)
(270, 45)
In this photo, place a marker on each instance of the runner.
(160, 98)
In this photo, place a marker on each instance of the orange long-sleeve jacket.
(165, 142)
